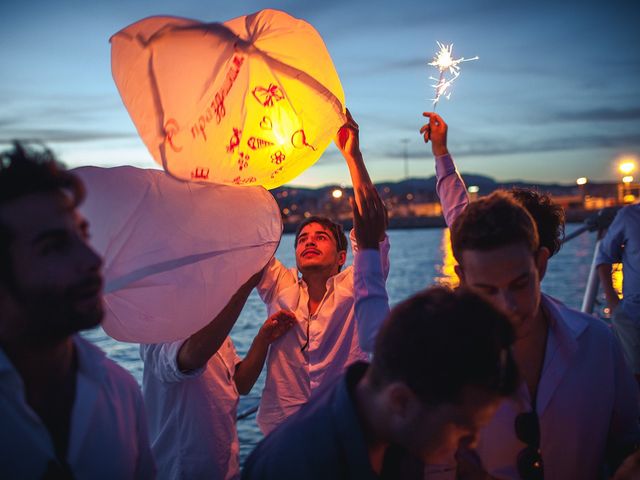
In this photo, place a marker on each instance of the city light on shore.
(337, 193)
(627, 166)
(582, 181)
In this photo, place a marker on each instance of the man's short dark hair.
(25, 170)
(335, 228)
(491, 222)
(441, 341)
(548, 215)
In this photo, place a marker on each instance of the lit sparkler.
(445, 63)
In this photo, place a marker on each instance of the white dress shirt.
(293, 374)
(108, 437)
(192, 416)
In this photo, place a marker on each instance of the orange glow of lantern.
(252, 101)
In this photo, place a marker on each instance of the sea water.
(418, 258)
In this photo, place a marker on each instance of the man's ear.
(542, 258)
(460, 272)
(401, 402)
(342, 257)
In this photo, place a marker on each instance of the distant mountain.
(427, 187)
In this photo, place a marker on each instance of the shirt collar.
(566, 324)
(91, 359)
(91, 362)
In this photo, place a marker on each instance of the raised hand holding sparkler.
(445, 62)
(436, 132)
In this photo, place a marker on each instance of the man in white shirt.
(67, 411)
(325, 338)
(191, 390)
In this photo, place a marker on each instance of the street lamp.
(627, 167)
(337, 193)
(581, 182)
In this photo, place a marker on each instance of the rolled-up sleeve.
(162, 360)
(611, 245)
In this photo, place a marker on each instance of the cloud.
(53, 135)
(498, 147)
(599, 114)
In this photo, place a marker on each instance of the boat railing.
(598, 222)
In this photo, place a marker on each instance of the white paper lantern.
(174, 252)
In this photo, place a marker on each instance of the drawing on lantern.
(299, 140)
(275, 172)
(278, 157)
(265, 123)
(170, 129)
(266, 96)
(243, 161)
(255, 143)
(235, 140)
(200, 173)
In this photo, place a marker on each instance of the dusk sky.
(554, 96)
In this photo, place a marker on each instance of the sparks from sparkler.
(445, 62)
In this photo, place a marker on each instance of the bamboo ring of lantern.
(217, 102)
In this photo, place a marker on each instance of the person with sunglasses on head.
(576, 412)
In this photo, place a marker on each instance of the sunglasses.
(529, 461)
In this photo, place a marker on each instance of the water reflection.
(446, 270)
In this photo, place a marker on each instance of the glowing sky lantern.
(252, 101)
(174, 252)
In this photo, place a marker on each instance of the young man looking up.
(441, 365)
(325, 338)
(67, 411)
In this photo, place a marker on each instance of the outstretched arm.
(348, 142)
(604, 272)
(248, 370)
(449, 186)
(610, 252)
(371, 302)
(202, 345)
